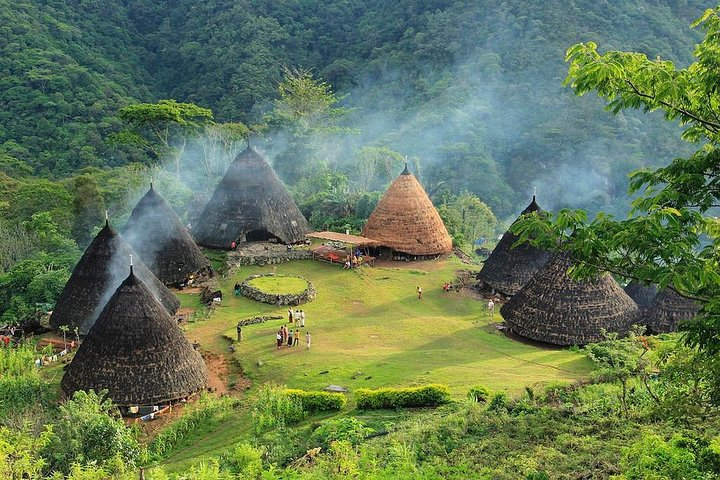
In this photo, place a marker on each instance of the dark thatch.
(249, 204)
(553, 308)
(667, 309)
(96, 276)
(643, 293)
(154, 231)
(137, 352)
(508, 269)
(406, 220)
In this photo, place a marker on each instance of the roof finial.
(107, 219)
(534, 192)
(406, 171)
(131, 265)
(151, 184)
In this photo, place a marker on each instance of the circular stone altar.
(278, 289)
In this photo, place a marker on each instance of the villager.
(277, 300)
(239, 332)
(291, 337)
(237, 289)
(233, 245)
(290, 315)
(297, 319)
(419, 292)
(302, 319)
(491, 308)
(297, 338)
(285, 332)
(279, 337)
(308, 340)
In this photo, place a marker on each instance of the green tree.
(162, 128)
(306, 114)
(91, 431)
(671, 237)
(373, 168)
(467, 218)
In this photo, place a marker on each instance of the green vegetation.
(426, 396)
(279, 285)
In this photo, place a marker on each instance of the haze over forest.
(472, 91)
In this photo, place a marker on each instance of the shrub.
(348, 429)
(498, 402)
(479, 394)
(426, 396)
(317, 401)
(272, 407)
(243, 459)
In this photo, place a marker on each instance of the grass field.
(279, 285)
(370, 330)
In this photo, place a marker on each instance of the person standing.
(308, 340)
(291, 338)
(297, 338)
(491, 308)
(297, 318)
(302, 319)
(290, 315)
(239, 332)
(279, 338)
(419, 292)
(285, 333)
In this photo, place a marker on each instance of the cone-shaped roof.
(555, 309)
(508, 269)
(642, 293)
(136, 351)
(96, 276)
(249, 198)
(154, 231)
(406, 220)
(667, 309)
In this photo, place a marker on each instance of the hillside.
(470, 88)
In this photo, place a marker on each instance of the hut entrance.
(261, 236)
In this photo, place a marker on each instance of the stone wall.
(272, 258)
(290, 299)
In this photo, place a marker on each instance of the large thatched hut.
(136, 352)
(154, 231)
(406, 223)
(250, 204)
(641, 292)
(96, 276)
(667, 309)
(508, 269)
(553, 308)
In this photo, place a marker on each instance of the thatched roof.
(555, 309)
(355, 240)
(406, 220)
(96, 276)
(137, 352)
(154, 231)
(642, 293)
(667, 309)
(508, 269)
(250, 199)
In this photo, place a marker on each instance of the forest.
(99, 98)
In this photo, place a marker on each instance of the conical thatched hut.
(96, 276)
(667, 309)
(553, 308)
(406, 222)
(154, 231)
(642, 293)
(136, 351)
(508, 269)
(250, 204)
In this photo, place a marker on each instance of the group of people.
(297, 317)
(353, 259)
(291, 338)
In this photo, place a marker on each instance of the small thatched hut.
(250, 204)
(405, 221)
(667, 309)
(154, 231)
(96, 276)
(553, 308)
(508, 269)
(136, 351)
(643, 293)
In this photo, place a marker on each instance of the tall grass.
(20, 384)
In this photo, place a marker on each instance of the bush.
(317, 401)
(243, 459)
(272, 407)
(426, 396)
(498, 402)
(348, 429)
(479, 394)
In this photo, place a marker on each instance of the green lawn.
(369, 330)
(279, 285)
